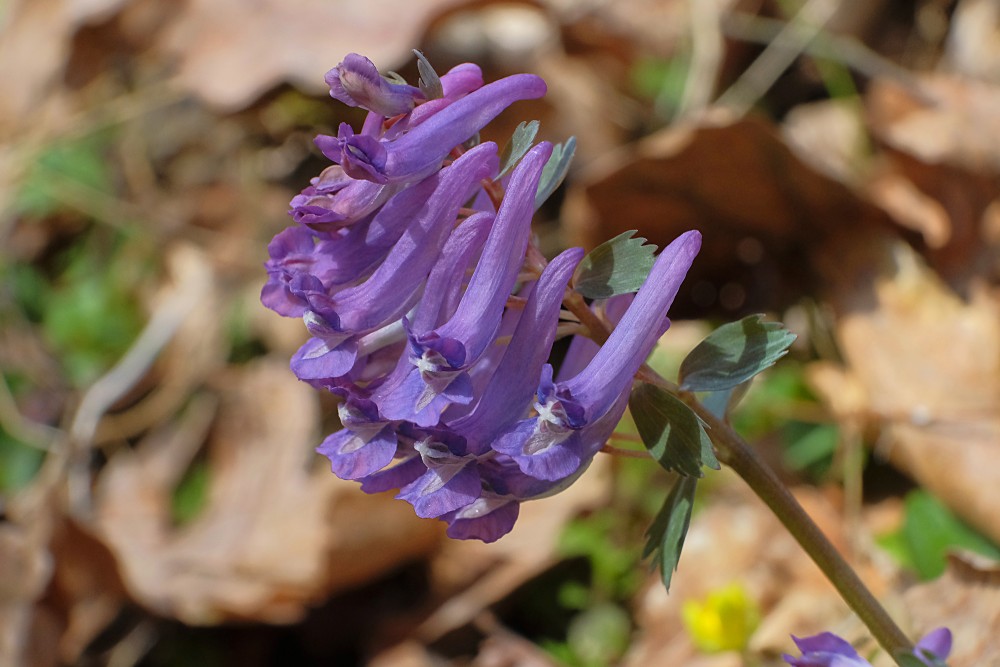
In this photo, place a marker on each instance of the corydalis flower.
(357, 83)
(576, 416)
(828, 650)
(407, 266)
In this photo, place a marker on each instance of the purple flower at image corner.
(828, 650)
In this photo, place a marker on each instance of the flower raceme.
(407, 263)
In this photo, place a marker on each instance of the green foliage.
(665, 537)
(612, 565)
(662, 80)
(734, 353)
(672, 433)
(78, 163)
(928, 532)
(599, 635)
(429, 82)
(191, 494)
(90, 314)
(517, 146)
(18, 463)
(769, 410)
(617, 266)
(555, 170)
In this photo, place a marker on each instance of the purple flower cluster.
(828, 650)
(410, 273)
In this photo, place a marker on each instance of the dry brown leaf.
(973, 47)
(766, 216)
(25, 569)
(35, 42)
(492, 571)
(948, 148)
(277, 534)
(926, 364)
(229, 55)
(969, 607)
(736, 538)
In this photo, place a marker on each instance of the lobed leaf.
(555, 170)
(665, 537)
(429, 81)
(672, 433)
(734, 353)
(617, 266)
(518, 145)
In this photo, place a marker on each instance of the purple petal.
(357, 83)
(396, 283)
(825, 650)
(442, 490)
(488, 519)
(421, 150)
(317, 359)
(483, 303)
(936, 642)
(444, 284)
(396, 477)
(510, 390)
(610, 371)
(353, 456)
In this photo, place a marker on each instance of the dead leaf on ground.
(471, 575)
(736, 538)
(25, 636)
(948, 148)
(926, 365)
(277, 532)
(229, 56)
(35, 43)
(741, 185)
(968, 606)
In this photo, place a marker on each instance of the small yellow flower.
(724, 621)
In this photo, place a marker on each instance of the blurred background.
(160, 501)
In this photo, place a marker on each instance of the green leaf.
(665, 538)
(518, 145)
(19, 463)
(672, 433)
(429, 82)
(929, 531)
(79, 163)
(617, 266)
(555, 170)
(734, 353)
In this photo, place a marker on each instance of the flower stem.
(733, 451)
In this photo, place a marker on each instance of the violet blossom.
(828, 650)
(407, 264)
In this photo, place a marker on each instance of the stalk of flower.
(446, 393)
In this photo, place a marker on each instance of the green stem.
(733, 451)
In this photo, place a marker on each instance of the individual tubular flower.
(336, 321)
(461, 481)
(420, 151)
(575, 417)
(356, 82)
(828, 650)
(440, 359)
(335, 200)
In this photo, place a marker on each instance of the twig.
(838, 48)
(793, 38)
